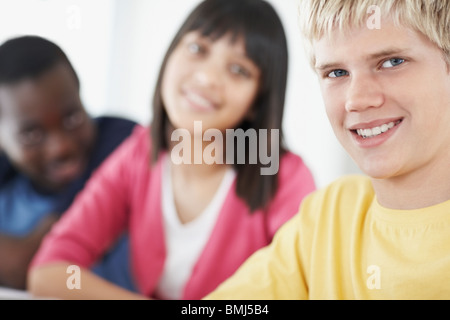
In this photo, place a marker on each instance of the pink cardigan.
(125, 192)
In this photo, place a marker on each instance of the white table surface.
(12, 294)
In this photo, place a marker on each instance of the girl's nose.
(208, 73)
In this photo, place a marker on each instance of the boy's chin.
(378, 174)
(48, 186)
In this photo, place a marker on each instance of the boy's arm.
(16, 254)
(272, 273)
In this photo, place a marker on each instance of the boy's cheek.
(27, 161)
(333, 108)
(86, 140)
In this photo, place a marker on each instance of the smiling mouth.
(67, 170)
(199, 102)
(376, 131)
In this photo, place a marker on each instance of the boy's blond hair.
(430, 17)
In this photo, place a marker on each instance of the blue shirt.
(22, 207)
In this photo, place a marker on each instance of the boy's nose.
(363, 92)
(60, 145)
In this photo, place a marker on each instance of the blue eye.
(392, 62)
(337, 73)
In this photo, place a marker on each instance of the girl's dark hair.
(258, 24)
(29, 57)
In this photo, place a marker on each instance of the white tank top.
(185, 242)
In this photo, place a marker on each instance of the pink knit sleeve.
(97, 216)
(295, 182)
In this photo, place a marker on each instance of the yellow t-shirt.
(344, 245)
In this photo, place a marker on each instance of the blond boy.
(385, 81)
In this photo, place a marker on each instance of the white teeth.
(200, 101)
(373, 132)
(376, 131)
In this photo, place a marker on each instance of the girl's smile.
(199, 102)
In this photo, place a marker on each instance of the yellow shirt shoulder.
(344, 245)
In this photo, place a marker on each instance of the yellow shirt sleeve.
(272, 273)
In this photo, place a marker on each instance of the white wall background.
(116, 46)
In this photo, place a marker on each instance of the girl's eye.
(337, 73)
(238, 70)
(74, 120)
(392, 62)
(195, 48)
